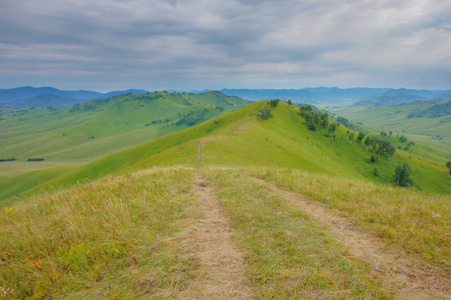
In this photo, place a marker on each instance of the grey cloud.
(174, 44)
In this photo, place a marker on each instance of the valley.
(234, 207)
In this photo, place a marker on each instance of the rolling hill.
(240, 139)
(427, 121)
(235, 207)
(27, 96)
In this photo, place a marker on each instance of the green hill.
(241, 139)
(93, 129)
(235, 207)
(427, 122)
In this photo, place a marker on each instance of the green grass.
(418, 222)
(289, 256)
(106, 239)
(92, 130)
(240, 139)
(433, 132)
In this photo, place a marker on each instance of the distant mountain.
(50, 97)
(43, 100)
(310, 95)
(384, 100)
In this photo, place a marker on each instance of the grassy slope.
(240, 139)
(431, 131)
(93, 129)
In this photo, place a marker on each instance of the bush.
(35, 159)
(264, 113)
(373, 158)
(376, 172)
(402, 175)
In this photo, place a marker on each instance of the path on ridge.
(210, 242)
(410, 282)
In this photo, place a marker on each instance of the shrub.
(264, 113)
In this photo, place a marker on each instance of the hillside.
(235, 207)
(94, 129)
(240, 139)
(424, 121)
(27, 96)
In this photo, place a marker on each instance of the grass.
(92, 130)
(240, 139)
(106, 239)
(288, 255)
(433, 132)
(418, 222)
(122, 236)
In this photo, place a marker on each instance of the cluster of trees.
(264, 113)
(7, 159)
(192, 118)
(380, 146)
(35, 159)
(274, 103)
(315, 119)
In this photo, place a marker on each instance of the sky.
(106, 45)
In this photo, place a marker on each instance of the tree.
(264, 113)
(448, 165)
(402, 175)
(367, 142)
(389, 150)
(402, 139)
(376, 172)
(360, 137)
(332, 128)
(373, 158)
(289, 102)
(274, 103)
(316, 119)
(351, 137)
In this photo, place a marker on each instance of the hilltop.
(235, 207)
(240, 139)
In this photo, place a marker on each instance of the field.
(235, 207)
(431, 131)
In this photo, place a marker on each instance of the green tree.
(274, 103)
(332, 128)
(376, 172)
(367, 142)
(289, 102)
(264, 113)
(360, 137)
(402, 175)
(448, 165)
(316, 119)
(402, 139)
(351, 137)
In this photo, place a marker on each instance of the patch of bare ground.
(407, 279)
(221, 273)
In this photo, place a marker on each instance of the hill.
(337, 97)
(27, 96)
(93, 129)
(427, 121)
(240, 139)
(235, 207)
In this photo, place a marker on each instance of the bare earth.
(210, 242)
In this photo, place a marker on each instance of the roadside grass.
(108, 239)
(288, 255)
(418, 222)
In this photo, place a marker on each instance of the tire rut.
(210, 243)
(407, 280)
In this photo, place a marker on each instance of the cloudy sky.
(212, 44)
